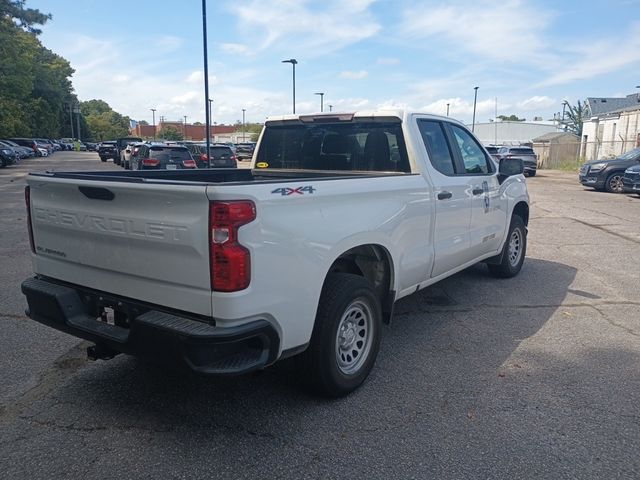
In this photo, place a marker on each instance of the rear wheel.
(513, 252)
(532, 173)
(614, 183)
(346, 336)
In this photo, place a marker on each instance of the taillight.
(27, 200)
(233, 157)
(203, 157)
(230, 262)
(150, 162)
(189, 164)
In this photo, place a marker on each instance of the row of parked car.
(616, 175)
(135, 154)
(12, 150)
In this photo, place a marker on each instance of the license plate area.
(172, 167)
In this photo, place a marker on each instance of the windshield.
(630, 155)
(168, 153)
(355, 146)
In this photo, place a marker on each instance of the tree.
(24, 18)
(510, 118)
(170, 133)
(574, 117)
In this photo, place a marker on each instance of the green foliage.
(170, 133)
(510, 118)
(103, 123)
(574, 117)
(24, 18)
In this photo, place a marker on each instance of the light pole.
(447, 109)
(153, 112)
(321, 100)
(206, 76)
(243, 110)
(475, 99)
(71, 119)
(210, 117)
(76, 110)
(184, 128)
(293, 63)
(330, 108)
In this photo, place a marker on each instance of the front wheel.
(513, 252)
(614, 183)
(346, 336)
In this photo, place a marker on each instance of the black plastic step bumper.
(200, 346)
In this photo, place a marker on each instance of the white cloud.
(509, 31)
(195, 77)
(349, 75)
(307, 26)
(599, 57)
(537, 103)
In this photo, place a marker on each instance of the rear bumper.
(200, 346)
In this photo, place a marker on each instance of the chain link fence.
(569, 156)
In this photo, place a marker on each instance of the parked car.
(606, 174)
(44, 143)
(167, 157)
(221, 156)
(7, 156)
(91, 146)
(527, 155)
(29, 143)
(122, 153)
(20, 151)
(493, 151)
(631, 180)
(244, 151)
(106, 150)
(135, 155)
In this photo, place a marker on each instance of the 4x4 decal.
(286, 191)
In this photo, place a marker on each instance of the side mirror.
(510, 167)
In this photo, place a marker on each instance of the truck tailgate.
(144, 241)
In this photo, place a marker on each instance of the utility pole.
(475, 99)
(243, 129)
(153, 111)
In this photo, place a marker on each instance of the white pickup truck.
(228, 271)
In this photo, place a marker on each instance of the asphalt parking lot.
(533, 377)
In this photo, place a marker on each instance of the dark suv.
(631, 180)
(106, 150)
(221, 156)
(527, 155)
(607, 174)
(160, 156)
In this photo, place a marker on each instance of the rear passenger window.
(473, 156)
(437, 147)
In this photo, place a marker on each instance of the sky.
(362, 54)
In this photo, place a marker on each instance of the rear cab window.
(349, 146)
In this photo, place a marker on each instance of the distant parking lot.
(534, 377)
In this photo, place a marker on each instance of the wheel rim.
(354, 337)
(615, 183)
(515, 247)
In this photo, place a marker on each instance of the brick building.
(219, 133)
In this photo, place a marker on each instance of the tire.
(103, 159)
(613, 184)
(532, 174)
(513, 252)
(346, 336)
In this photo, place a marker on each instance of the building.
(556, 149)
(195, 132)
(613, 129)
(512, 133)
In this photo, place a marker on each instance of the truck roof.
(383, 113)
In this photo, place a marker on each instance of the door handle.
(478, 191)
(444, 195)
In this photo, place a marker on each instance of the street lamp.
(206, 76)
(243, 110)
(153, 112)
(447, 109)
(475, 99)
(184, 128)
(321, 100)
(210, 117)
(330, 108)
(293, 63)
